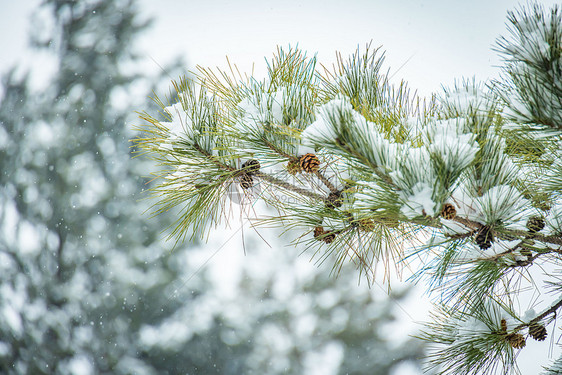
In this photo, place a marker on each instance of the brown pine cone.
(448, 211)
(537, 331)
(535, 224)
(251, 166)
(503, 325)
(246, 181)
(484, 237)
(318, 231)
(516, 340)
(334, 200)
(329, 237)
(309, 163)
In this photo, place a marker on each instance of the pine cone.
(537, 331)
(329, 237)
(503, 325)
(251, 166)
(367, 225)
(485, 237)
(526, 252)
(334, 200)
(294, 167)
(535, 224)
(448, 211)
(321, 235)
(516, 340)
(246, 181)
(318, 231)
(309, 163)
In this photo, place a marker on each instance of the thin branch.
(551, 310)
(326, 182)
(507, 233)
(293, 158)
(288, 186)
(212, 158)
(345, 147)
(263, 176)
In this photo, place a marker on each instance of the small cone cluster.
(309, 163)
(535, 224)
(334, 200)
(321, 235)
(484, 237)
(516, 340)
(448, 211)
(537, 331)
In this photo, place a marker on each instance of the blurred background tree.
(86, 284)
(273, 312)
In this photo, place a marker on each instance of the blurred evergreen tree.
(75, 254)
(274, 312)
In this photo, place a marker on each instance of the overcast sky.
(437, 41)
(430, 42)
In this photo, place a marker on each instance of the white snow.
(338, 113)
(504, 203)
(5, 138)
(518, 109)
(325, 360)
(448, 139)
(256, 110)
(168, 335)
(553, 220)
(466, 99)
(42, 134)
(13, 320)
(529, 315)
(4, 349)
(534, 45)
(470, 329)
(180, 125)
(404, 161)
(420, 202)
(28, 238)
(325, 128)
(80, 365)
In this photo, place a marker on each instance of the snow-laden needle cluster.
(470, 180)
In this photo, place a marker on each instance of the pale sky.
(435, 41)
(438, 41)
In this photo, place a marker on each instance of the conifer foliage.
(71, 292)
(365, 170)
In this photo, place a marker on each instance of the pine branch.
(504, 234)
(404, 166)
(364, 160)
(551, 310)
(326, 182)
(214, 160)
(288, 186)
(295, 159)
